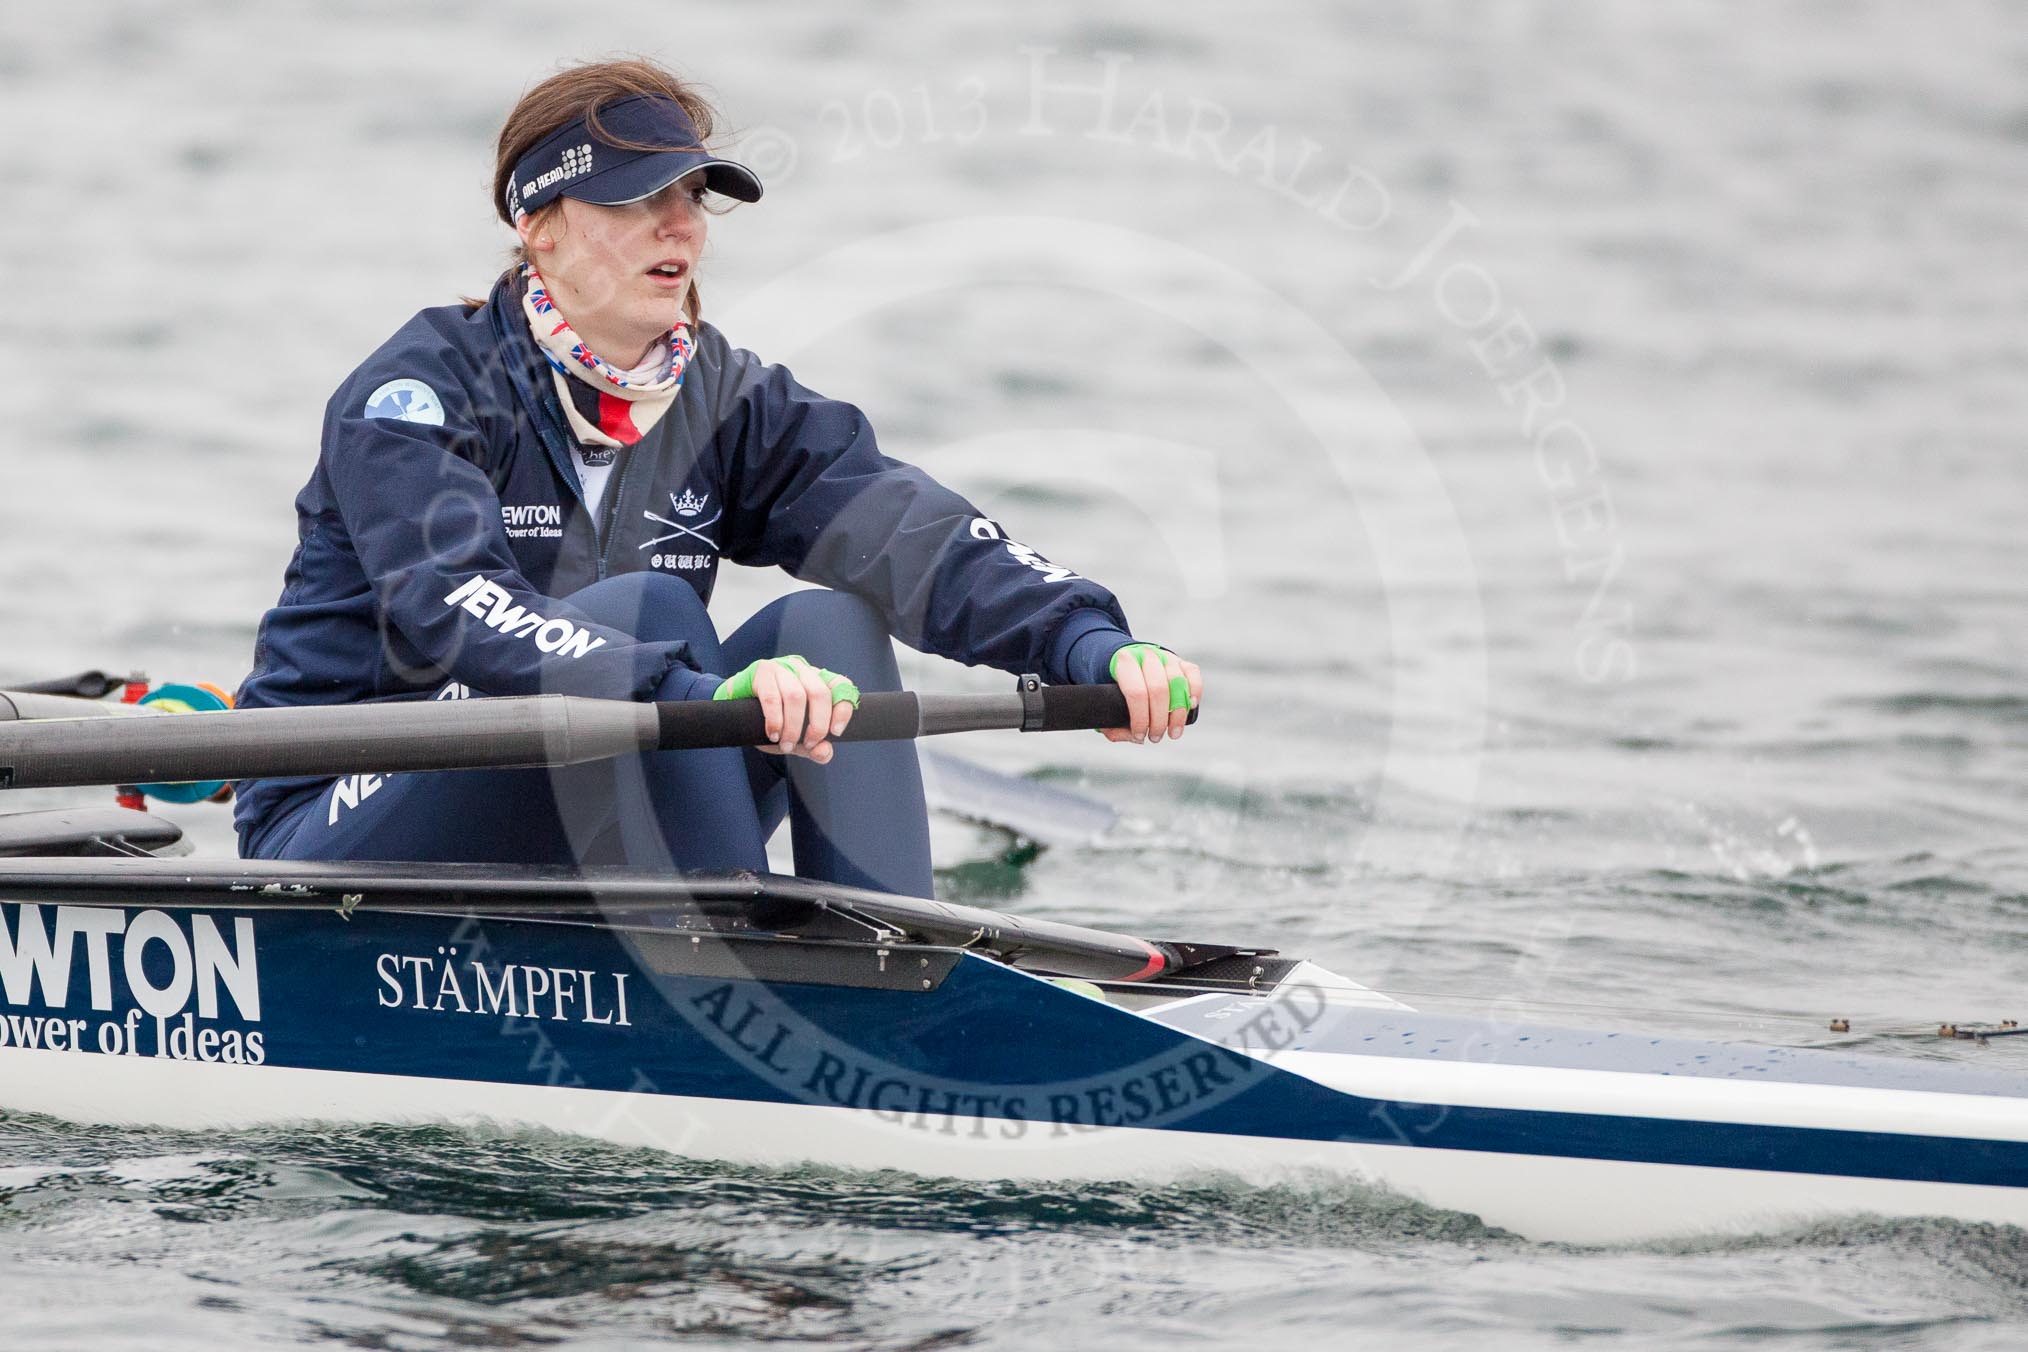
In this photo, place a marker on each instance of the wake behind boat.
(769, 1020)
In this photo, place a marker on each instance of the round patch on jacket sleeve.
(406, 400)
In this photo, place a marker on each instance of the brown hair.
(579, 92)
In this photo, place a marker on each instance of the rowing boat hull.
(937, 1061)
(1573, 1200)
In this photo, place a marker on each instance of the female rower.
(532, 494)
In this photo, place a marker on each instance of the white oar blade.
(1037, 812)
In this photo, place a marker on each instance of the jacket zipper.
(603, 535)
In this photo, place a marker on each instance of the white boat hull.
(1568, 1200)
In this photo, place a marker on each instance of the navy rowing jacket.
(445, 519)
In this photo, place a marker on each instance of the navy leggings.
(859, 820)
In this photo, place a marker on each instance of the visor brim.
(647, 176)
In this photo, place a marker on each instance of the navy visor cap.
(573, 161)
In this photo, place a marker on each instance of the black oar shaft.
(696, 724)
(84, 685)
(536, 730)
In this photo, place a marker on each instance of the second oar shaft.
(322, 740)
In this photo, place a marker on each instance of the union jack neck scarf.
(608, 408)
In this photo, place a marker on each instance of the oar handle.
(898, 716)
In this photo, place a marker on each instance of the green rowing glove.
(740, 684)
(1179, 686)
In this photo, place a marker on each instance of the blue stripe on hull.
(989, 1052)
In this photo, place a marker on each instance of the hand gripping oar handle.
(900, 716)
(524, 731)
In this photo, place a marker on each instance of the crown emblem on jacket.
(690, 504)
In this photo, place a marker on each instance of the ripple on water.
(536, 1239)
(460, 1228)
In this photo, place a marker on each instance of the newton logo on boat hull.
(175, 971)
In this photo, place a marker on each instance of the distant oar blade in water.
(1037, 812)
